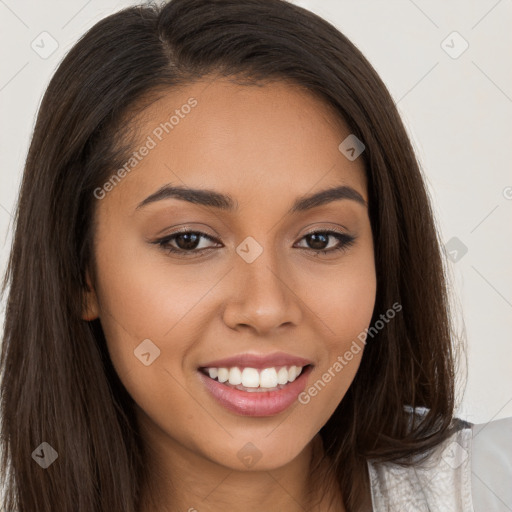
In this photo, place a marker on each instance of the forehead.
(251, 141)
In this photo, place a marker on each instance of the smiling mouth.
(255, 380)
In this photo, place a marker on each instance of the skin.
(265, 146)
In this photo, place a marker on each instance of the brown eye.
(184, 242)
(318, 241)
(187, 241)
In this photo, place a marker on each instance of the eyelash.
(345, 240)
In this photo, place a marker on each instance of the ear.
(90, 309)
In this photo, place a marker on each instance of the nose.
(263, 296)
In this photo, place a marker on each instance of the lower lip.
(258, 403)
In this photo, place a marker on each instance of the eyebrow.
(225, 202)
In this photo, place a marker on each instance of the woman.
(226, 287)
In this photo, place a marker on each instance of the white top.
(470, 472)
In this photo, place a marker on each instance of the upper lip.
(258, 361)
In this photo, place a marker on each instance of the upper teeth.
(253, 378)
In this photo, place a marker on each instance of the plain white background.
(454, 92)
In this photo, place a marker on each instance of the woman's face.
(246, 289)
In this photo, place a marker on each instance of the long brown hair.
(58, 384)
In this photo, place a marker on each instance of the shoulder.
(471, 471)
(491, 466)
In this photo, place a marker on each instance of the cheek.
(340, 358)
(143, 297)
(344, 302)
(343, 298)
(346, 308)
(151, 315)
